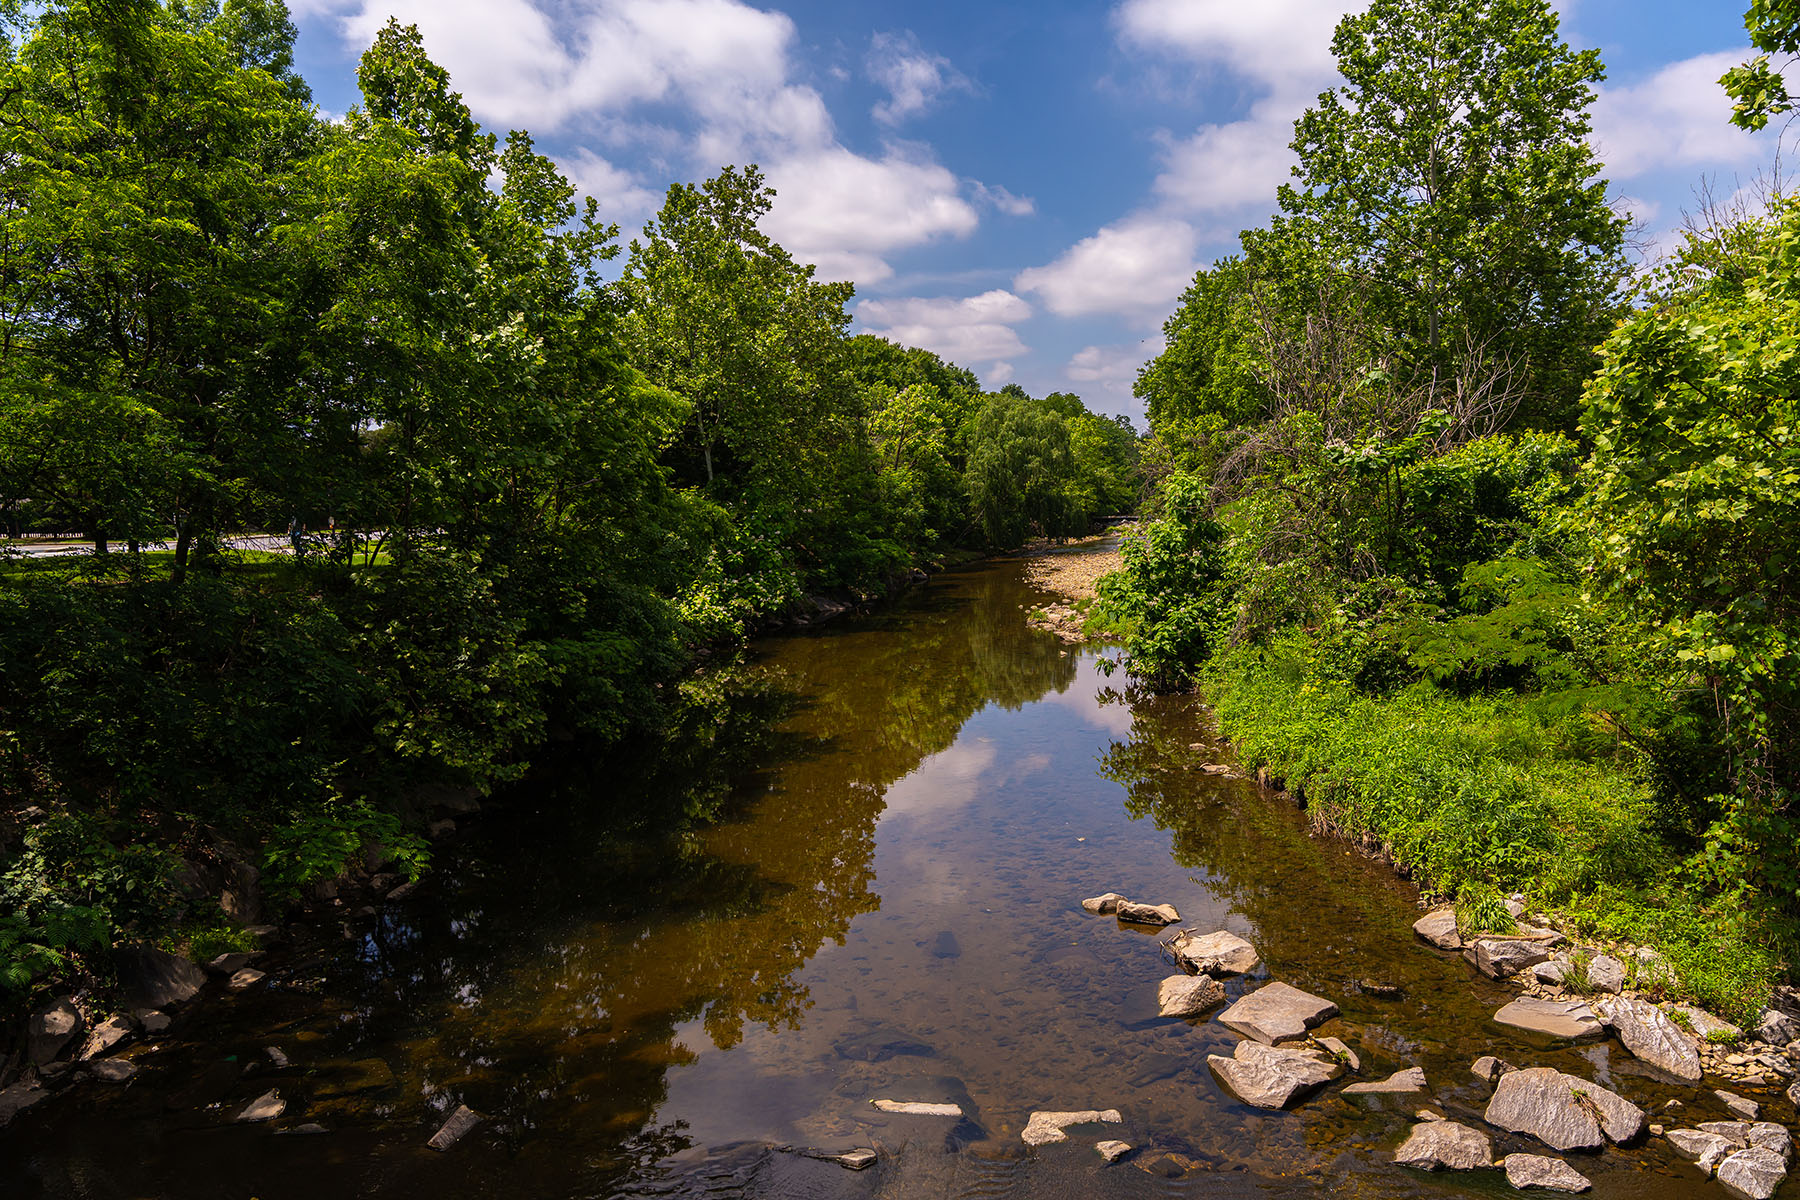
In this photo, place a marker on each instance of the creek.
(855, 874)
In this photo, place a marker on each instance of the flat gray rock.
(1104, 904)
(1606, 974)
(1735, 1132)
(1410, 1080)
(1563, 1111)
(1044, 1128)
(1445, 1146)
(1439, 928)
(1571, 1020)
(112, 1070)
(1489, 1069)
(265, 1107)
(244, 978)
(1741, 1107)
(1271, 1076)
(1551, 972)
(918, 1108)
(51, 1029)
(1707, 1150)
(452, 1131)
(1502, 958)
(1112, 1152)
(1215, 954)
(1277, 1012)
(1752, 1174)
(1705, 1025)
(1527, 1171)
(1188, 995)
(105, 1036)
(1652, 1037)
(856, 1160)
(1146, 914)
(1772, 1137)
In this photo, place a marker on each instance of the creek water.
(855, 874)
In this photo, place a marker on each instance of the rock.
(1740, 1107)
(1775, 1027)
(19, 1097)
(1773, 1138)
(151, 978)
(1502, 958)
(1439, 928)
(1735, 1132)
(230, 964)
(1112, 1152)
(1381, 991)
(1537, 933)
(879, 1045)
(1606, 974)
(1445, 1145)
(461, 1123)
(1752, 1174)
(918, 1108)
(1515, 905)
(247, 977)
(112, 1070)
(277, 1055)
(1103, 905)
(1276, 1012)
(1046, 1127)
(1146, 914)
(1412, 1079)
(1563, 1111)
(1426, 1114)
(1649, 1034)
(50, 1030)
(946, 946)
(1214, 954)
(152, 1022)
(1568, 1019)
(859, 1159)
(1705, 1025)
(1188, 995)
(105, 1036)
(1272, 1077)
(1707, 1150)
(265, 1107)
(1489, 1069)
(1344, 1054)
(1793, 1093)
(1526, 1171)
(1553, 973)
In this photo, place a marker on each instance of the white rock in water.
(461, 1123)
(1540, 1171)
(918, 1108)
(1412, 1079)
(1146, 914)
(265, 1107)
(1277, 1012)
(1445, 1145)
(1342, 1052)
(1742, 1108)
(1046, 1127)
(1707, 1150)
(1273, 1077)
(1563, 1111)
(1188, 995)
(1772, 1137)
(1570, 1019)
(1215, 954)
(1500, 958)
(1649, 1034)
(1489, 1069)
(1103, 905)
(1439, 928)
(244, 978)
(1752, 1174)
(859, 1159)
(1112, 1152)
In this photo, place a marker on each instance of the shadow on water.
(852, 872)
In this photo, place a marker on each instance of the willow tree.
(1451, 179)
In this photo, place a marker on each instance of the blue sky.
(1023, 187)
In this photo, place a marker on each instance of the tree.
(1757, 87)
(1205, 368)
(1451, 179)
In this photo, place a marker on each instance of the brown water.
(856, 876)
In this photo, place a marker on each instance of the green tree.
(1451, 179)
(1757, 86)
(1206, 367)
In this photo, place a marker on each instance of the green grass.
(1479, 798)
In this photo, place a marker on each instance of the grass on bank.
(1477, 797)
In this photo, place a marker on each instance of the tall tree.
(1757, 85)
(1451, 178)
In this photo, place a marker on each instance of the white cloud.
(1281, 45)
(1137, 266)
(1112, 365)
(998, 375)
(913, 77)
(845, 212)
(998, 197)
(621, 195)
(1678, 117)
(972, 329)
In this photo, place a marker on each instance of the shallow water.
(859, 878)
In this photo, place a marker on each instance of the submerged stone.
(1044, 1128)
(1412, 1079)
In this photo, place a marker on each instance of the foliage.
(1169, 600)
(1757, 86)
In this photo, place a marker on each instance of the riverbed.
(856, 876)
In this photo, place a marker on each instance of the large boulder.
(1445, 1145)
(1277, 1012)
(1215, 954)
(1526, 1171)
(1188, 995)
(1146, 914)
(1439, 928)
(152, 978)
(1652, 1037)
(1569, 1020)
(1752, 1174)
(1271, 1076)
(1502, 958)
(50, 1030)
(1563, 1111)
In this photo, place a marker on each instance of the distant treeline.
(529, 491)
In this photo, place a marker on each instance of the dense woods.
(1481, 542)
(524, 488)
